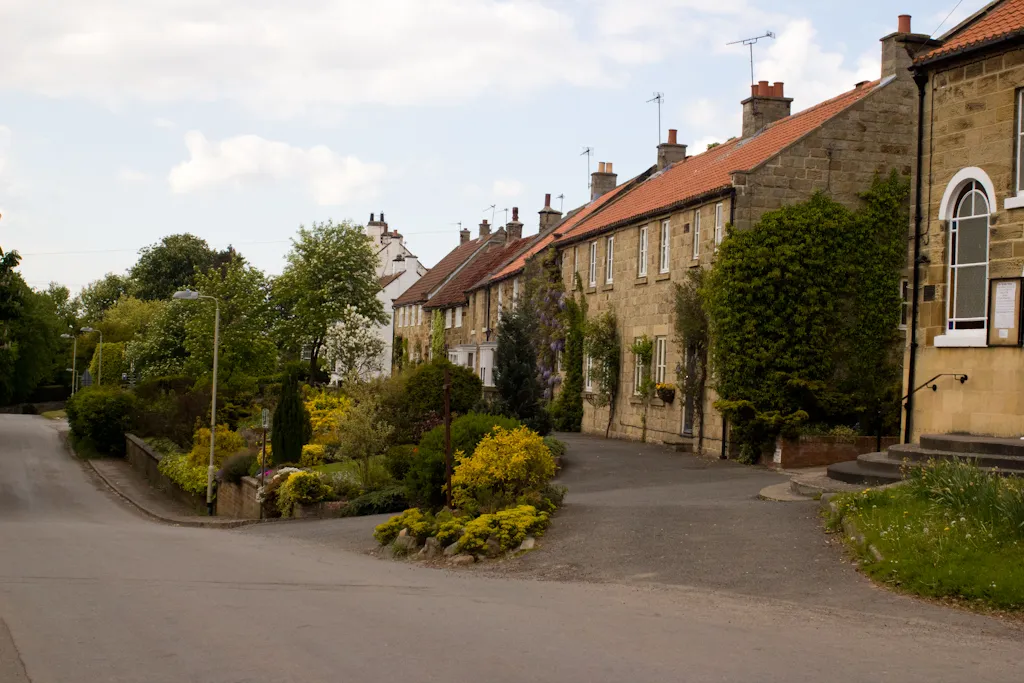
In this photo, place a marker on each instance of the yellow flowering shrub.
(419, 524)
(228, 443)
(312, 455)
(508, 527)
(506, 464)
(301, 487)
(325, 411)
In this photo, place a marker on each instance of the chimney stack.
(670, 152)
(514, 229)
(766, 105)
(900, 48)
(464, 235)
(485, 228)
(549, 218)
(603, 181)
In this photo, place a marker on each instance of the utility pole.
(448, 436)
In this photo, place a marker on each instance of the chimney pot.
(753, 89)
(547, 200)
(600, 167)
(371, 217)
(904, 23)
(672, 136)
(515, 213)
(608, 167)
(603, 181)
(779, 89)
(762, 89)
(381, 216)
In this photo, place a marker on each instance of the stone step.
(982, 445)
(867, 471)
(919, 454)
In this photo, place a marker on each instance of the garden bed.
(952, 531)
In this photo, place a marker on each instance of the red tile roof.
(386, 280)
(544, 241)
(454, 291)
(712, 170)
(437, 275)
(998, 20)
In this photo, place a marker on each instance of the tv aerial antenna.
(659, 98)
(493, 208)
(561, 202)
(751, 42)
(589, 151)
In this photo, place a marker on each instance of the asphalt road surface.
(90, 591)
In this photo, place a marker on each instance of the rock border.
(850, 530)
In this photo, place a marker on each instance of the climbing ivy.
(803, 313)
(691, 327)
(567, 408)
(544, 297)
(643, 352)
(601, 343)
(437, 345)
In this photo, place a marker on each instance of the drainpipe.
(922, 81)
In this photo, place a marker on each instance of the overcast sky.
(238, 120)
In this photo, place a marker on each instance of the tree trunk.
(611, 415)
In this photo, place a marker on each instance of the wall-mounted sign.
(1004, 311)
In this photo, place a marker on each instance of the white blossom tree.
(353, 346)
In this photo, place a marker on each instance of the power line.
(947, 18)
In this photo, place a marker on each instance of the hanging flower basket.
(666, 392)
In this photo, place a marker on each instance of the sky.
(240, 120)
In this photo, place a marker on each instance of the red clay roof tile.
(454, 291)
(437, 275)
(997, 20)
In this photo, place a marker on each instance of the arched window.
(968, 260)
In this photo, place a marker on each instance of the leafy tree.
(437, 344)
(114, 365)
(515, 363)
(691, 327)
(354, 347)
(424, 388)
(246, 318)
(170, 265)
(330, 269)
(100, 295)
(364, 432)
(160, 350)
(545, 297)
(127, 318)
(603, 346)
(567, 408)
(802, 328)
(291, 428)
(643, 351)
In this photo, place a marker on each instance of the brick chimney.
(900, 48)
(766, 105)
(670, 152)
(464, 235)
(485, 228)
(549, 218)
(514, 229)
(603, 180)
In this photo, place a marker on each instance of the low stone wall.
(238, 501)
(320, 510)
(817, 451)
(146, 462)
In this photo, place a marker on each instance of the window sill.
(960, 341)
(1015, 202)
(641, 280)
(695, 262)
(661, 277)
(592, 289)
(607, 286)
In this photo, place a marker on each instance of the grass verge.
(953, 531)
(55, 415)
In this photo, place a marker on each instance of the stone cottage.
(672, 217)
(967, 257)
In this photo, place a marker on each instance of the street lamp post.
(74, 360)
(189, 295)
(99, 374)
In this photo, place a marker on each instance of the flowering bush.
(508, 527)
(228, 443)
(419, 524)
(312, 455)
(182, 471)
(300, 487)
(325, 411)
(505, 465)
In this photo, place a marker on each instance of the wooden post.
(448, 436)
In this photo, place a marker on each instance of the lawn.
(952, 531)
(55, 415)
(353, 470)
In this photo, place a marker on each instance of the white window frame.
(447, 318)
(1017, 200)
(666, 233)
(419, 314)
(589, 374)
(458, 316)
(975, 189)
(719, 223)
(453, 357)
(638, 376)
(904, 303)
(500, 285)
(660, 359)
(609, 259)
(515, 292)
(593, 264)
(696, 233)
(576, 259)
(398, 317)
(641, 255)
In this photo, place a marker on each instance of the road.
(90, 591)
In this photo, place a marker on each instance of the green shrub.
(101, 416)
(114, 364)
(398, 459)
(227, 444)
(507, 527)
(546, 499)
(419, 524)
(424, 390)
(182, 471)
(157, 386)
(505, 465)
(388, 499)
(301, 487)
(291, 425)
(556, 447)
(237, 466)
(163, 446)
(425, 479)
(540, 422)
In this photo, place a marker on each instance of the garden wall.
(817, 451)
(146, 461)
(238, 501)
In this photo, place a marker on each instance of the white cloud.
(948, 17)
(507, 188)
(132, 176)
(163, 123)
(246, 159)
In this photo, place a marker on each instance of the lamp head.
(88, 329)
(187, 294)
(66, 336)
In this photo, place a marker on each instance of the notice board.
(1004, 311)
